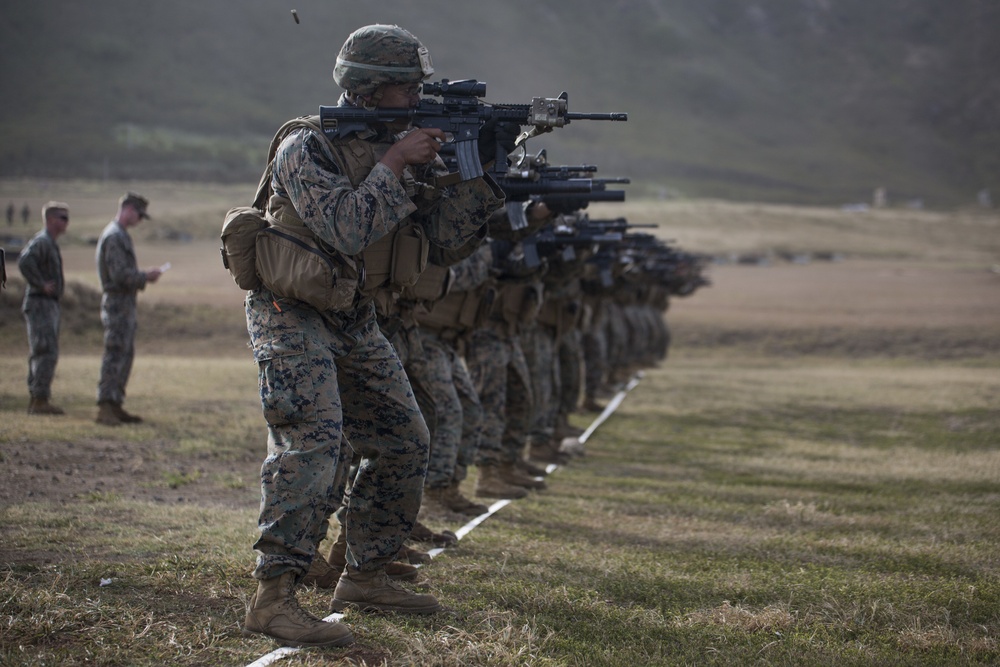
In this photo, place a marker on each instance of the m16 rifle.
(461, 114)
(533, 178)
(562, 241)
(564, 204)
(620, 225)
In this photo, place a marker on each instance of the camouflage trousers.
(119, 319)
(569, 352)
(595, 352)
(42, 319)
(326, 378)
(539, 344)
(617, 333)
(455, 436)
(501, 380)
(407, 343)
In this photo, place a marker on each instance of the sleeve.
(347, 219)
(30, 263)
(120, 265)
(472, 271)
(460, 214)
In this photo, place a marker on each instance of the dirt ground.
(896, 301)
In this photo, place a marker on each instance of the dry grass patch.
(773, 618)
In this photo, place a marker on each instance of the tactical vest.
(518, 303)
(431, 285)
(459, 311)
(395, 261)
(562, 307)
(387, 266)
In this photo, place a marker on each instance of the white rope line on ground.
(611, 407)
(279, 653)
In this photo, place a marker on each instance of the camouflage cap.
(138, 202)
(379, 54)
(54, 207)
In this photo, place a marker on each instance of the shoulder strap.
(302, 122)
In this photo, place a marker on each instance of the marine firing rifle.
(462, 114)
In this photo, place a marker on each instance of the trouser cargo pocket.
(287, 387)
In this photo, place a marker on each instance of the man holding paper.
(121, 279)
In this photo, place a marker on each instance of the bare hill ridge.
(813, 101)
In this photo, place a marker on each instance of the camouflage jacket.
(41, 262)
(348, 219)
(116, 263)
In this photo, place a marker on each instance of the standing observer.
(329, 371)
(121, 279)
(41, 265)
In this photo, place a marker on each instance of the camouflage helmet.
(380, 54)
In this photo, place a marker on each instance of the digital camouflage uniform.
(459, 414)
(121, 279)
(569, 361)
(324, 374)
(40, 262)
(496, 360)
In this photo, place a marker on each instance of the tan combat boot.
(422, 533)
(463, 505)
(106, 414)
(513, 475)
(125, 417)
(41, 406)
(275, 612)
(530, 468)
(547, 451)
(564, 429)
(491, 484)
(320, 574)
(375, 591)
(336, 561)
(412, 556)
(435, 500)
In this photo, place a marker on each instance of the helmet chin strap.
(367, 102)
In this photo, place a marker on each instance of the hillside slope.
(814, 101)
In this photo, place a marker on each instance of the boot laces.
(296, 611)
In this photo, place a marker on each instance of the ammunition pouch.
(432, 284)
(562, 315)
(292, 263)
(519, 303)
(459, 311)
(396, 260)
(239, 245)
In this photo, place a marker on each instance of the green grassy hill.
(788, 100)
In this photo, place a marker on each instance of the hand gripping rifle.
(461, 114)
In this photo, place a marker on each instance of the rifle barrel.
(596, 116)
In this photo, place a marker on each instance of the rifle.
(462, 114)
(620, 225)
(563, 239)
(533, 178)
(570, 203)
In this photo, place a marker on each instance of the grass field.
(811, 478)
